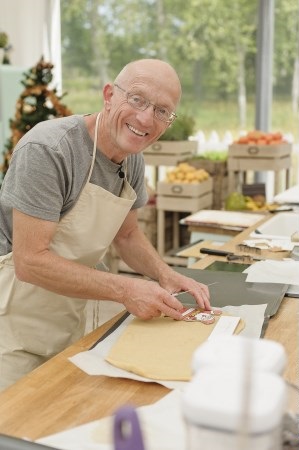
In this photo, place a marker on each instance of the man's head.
(140, 105)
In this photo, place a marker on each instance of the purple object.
(126, 430)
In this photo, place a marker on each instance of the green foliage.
(179, 130)
(213, 155)
(286, 43)
(3, 39)
(211, 43)
(84, 96)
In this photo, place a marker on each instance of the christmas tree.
(36, 103)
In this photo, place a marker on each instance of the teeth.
(140, 133)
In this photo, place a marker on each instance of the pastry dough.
(160, 349)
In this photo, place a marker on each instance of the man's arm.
(35, 263)
(138, 252)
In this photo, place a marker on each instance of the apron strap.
(94, 146)
(95, 138)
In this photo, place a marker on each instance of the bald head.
(138, 107)
(156, 72)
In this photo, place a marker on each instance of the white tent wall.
(33, 29)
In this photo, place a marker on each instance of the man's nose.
(147, 115)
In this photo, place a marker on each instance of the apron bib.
(41, 323)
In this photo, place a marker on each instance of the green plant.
(180, 129)
(3, 39)
(213, 155)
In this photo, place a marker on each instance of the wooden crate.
(150, 230)
(244, 158)
(179, 197)
(263, 157)
(218, 171)
(169, 153)
(147, 213)
(260, 151)
(184, 197)
(147, 220)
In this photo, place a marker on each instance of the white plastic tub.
(220, 409)
(232, 351)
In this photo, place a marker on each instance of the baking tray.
(232, 289)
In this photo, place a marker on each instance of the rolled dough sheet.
(162, 348)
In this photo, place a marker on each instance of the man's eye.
(163, 111)
(137, 99)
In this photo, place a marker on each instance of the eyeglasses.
(141, 103)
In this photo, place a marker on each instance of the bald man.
(72, 189)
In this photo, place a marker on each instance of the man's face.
(131, 129)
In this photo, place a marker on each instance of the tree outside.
(211, 43)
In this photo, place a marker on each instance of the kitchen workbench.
(58, 395)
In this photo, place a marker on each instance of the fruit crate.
(169, 153)
(246, 157)
(147, 221)
(218, 172)
(184, 196)
(255, 151)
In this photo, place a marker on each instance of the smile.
(135, 131)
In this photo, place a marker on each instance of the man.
(73, 187)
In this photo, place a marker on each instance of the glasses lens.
(163, 114)
(137, 101)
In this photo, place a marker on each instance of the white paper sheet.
(288, 196)
(270, 271)
(93, 361)
(161, 424)
(224, 218)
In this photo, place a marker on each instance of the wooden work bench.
(58, 396)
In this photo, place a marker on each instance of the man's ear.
(107, 95)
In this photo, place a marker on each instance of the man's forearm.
(139, 254)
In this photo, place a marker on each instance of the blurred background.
(238, 61)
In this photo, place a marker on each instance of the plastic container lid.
(216, 399)
(261, 354)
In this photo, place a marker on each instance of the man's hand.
(178, 282)
(147, 299)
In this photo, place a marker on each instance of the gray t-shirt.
(49, 168)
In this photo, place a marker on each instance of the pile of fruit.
(238, 202)
(185, 173)
(261, 138)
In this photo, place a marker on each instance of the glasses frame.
(172, 115)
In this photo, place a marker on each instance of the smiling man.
(73, 187)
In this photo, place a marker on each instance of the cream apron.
(36, 324)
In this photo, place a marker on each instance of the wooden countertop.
(58, 395)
